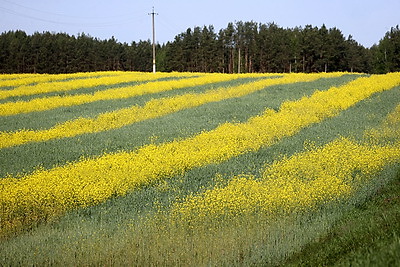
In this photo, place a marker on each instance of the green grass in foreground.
(368, 235)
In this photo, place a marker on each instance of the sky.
(129, 20)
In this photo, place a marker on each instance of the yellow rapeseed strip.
(302, 181)
(389, 131)
(17, 76)
(47, 103)
(298, 183)
(152, 109)
(63, 86)
(14, 80)
(90, 181)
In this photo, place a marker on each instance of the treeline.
(61, 53)
(240, 47)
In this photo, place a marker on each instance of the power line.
(171, 27)
(87, 24)
(66, 15)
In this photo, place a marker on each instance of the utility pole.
(154, 40)
(239, 63)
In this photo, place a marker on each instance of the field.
(143, 169)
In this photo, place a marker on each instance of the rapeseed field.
(113, 168)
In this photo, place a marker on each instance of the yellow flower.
(90, 181)
(152, 109)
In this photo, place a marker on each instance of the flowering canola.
(302, 181)
(90, 181)
(47, 103)
(152, 109)
(68, 85)
(298, 183)
(14, 80)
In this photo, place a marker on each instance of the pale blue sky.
(128, 20)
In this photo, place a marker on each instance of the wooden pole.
(154, 40)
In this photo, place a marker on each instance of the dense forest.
(240, 47)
